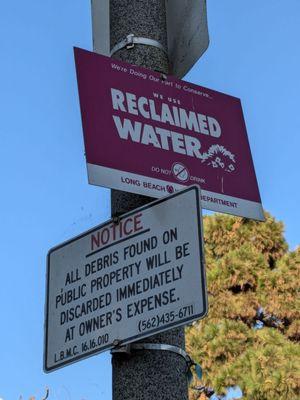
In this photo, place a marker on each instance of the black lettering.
(69, 334)
(182, 251)
(151, 303)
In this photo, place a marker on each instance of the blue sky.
(45, 198)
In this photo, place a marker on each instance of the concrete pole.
(146, 375)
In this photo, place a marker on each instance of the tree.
(251, 335)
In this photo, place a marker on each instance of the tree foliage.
(253, 282)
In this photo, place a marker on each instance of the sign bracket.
(131, 40)
(127, 349)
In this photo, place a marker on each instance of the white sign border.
(112, 178)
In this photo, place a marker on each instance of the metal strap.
(154, 346)
(164, 347)
(130, 41)
(190, 363)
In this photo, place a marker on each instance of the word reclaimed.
(153, 136)
(126, 279)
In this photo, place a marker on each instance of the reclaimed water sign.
(126, 279)
(152, 136)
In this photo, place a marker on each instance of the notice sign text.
(126, 279)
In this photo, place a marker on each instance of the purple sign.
(154, 136)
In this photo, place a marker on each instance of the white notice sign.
(126, 280)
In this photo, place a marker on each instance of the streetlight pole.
(147, 374)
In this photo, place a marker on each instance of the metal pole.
(146, 375)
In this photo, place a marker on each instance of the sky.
(45, 198)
